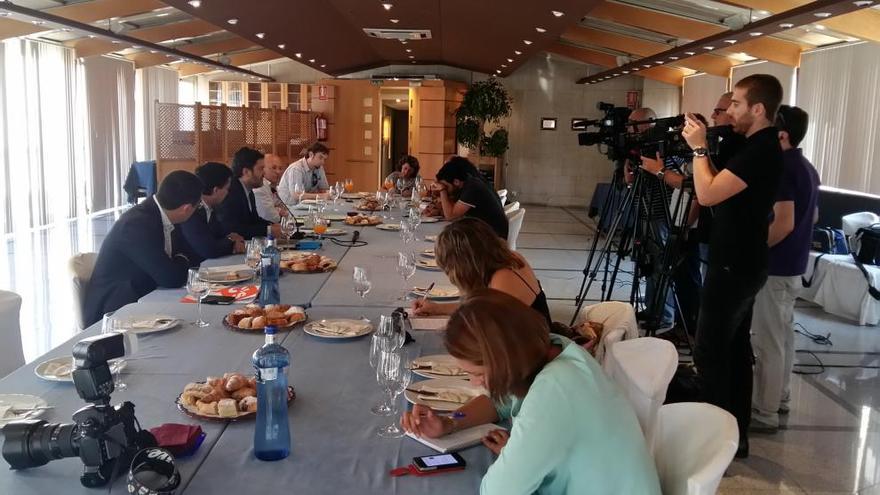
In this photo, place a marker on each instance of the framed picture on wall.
(548, 123)
(579, 124)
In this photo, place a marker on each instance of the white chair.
(694, 444)
(80, 268)
(502, 195)
(11, 353)
(511, 207)
(514, 222)
(643, 369)
(618, 321)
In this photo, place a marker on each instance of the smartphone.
(440, 462)
(212, 299)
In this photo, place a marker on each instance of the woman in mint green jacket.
(572, 432)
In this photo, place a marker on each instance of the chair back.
(694, 443)
(618, 321)
(514, 222)
(511, 207)
(80, 268)
(643, 368)
(11, 352)
(502, 195)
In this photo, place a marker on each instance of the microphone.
(355, 236)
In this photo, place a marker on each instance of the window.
(293, 97)
(234, 94)
(215, 93)
(255, 95)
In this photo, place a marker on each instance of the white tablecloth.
(841, 288)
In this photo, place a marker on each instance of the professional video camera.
(612, 131)
(103, 436)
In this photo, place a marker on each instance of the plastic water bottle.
(270, 268)
(272, 434)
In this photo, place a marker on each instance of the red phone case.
(412, 469)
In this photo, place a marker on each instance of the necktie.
(252, 201)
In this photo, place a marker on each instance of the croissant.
(235, 382)
(244, 392)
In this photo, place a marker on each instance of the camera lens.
(33, 443)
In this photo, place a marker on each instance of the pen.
(428, 291)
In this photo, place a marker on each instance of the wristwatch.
(660, 174)
(701, 151)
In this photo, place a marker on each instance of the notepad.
(459, 440)
(430, 323)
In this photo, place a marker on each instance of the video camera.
(103, 436)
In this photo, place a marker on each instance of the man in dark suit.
(144, 250)
(238, 212)
(203, 231)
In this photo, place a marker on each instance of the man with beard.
(742, 196)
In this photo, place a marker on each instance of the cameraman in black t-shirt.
(742, 196)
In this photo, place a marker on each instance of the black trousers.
(723, 351)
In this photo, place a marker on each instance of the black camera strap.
(153, 473)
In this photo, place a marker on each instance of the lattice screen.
(175, 139)
(235, 133)
(211, 137)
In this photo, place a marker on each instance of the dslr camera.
(103, 436)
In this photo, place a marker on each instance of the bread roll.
(235, 382)
(258, 322)
(274, 314)
(244, 392)
(245, 323)
(189, 398)
(294, 310)
(213, 382)
(248, 404)
(278, 322)
(227, 408)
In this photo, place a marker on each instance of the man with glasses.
(308, 172)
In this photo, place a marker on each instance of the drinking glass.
(388, 184)
(197, 286)
(298, 192)
(253, 251)
(401, 184)
(406, 268)
(362, 286)
(407, 232)
(415, 217)
(288, 226)
(111, 324)
(320, 227)
(380, 343)
(349, 185)
(336, 192)
(394, 375)
(320, 203)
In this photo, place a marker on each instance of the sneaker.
(759, 426)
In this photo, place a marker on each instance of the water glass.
(406, 268)
(197, 286)
(415, 217)
(111, 324)
(298, 192)
(288, 227)
(394, 376)
(407, 232)
(362, 286)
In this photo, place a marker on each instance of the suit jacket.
(235, 215)
(206, 238)
(132, 262)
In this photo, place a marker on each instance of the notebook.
(429, 323)
(459, 440)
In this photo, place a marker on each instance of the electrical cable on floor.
(817, 339)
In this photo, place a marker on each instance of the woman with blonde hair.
(572, 432)
(474, 257)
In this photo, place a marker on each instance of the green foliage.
(485, 102)
(495, 144)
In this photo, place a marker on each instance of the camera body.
(103, 436)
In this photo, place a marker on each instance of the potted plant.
(485, 103)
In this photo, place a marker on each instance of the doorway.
(395, 128)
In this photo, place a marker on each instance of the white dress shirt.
(266, 202)
(299, 173)
(167, 226)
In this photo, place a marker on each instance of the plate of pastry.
(369, 204)
(307, 262)
(228, 398)
(363, 220)
(443, 394)
(254, 318)
(231, 274)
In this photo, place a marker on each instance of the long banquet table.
(335, 449)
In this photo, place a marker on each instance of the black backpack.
(866, 251)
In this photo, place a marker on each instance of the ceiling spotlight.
(517, 52)
(163, 14)
(615, 74)
(822, 15)
(659, 62)
(387, 6)
(261, 35)
(863, 3)
(625, 71)
(195, 3)
(786, 25)
(282, 46)
(311, 60)
(819, 27)
(412, 56)
(557, 13)
(323, 65)
(395, 21)
(510, 60)
(730, 41)
(690, 53)
(527, 42)
(397, 100)
(38, 23)
(154, 51)
(646, 65)
(540, 30)
(708, 47)
(92, 36)
(409, 50)
(497, 71)
(298, 55)
(232, 21)
(636, 69)
(756, 34)
(504, 66)
(673, 57)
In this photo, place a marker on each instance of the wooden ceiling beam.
(668, 75)
(710, 64)
(766, 48)
(88, 12)
(87, 47)
(147, 59)
(864, 24)
(237, 59)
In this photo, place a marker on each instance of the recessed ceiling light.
(298, 55)
(261, 35)
(517, 52)
(646, 65)
(635, 69)
(503, 66)
(394, 21)
(527, 42)
(756, 34)
(659, 62)
(65, 30)
(92, 36)
(311, 60)
(323, 65)
(708, 47)
(625, 71)
(232, 21)
(402, 42)
(730, 41)
(282, 46)
(615, 74)
(822, 15)
(413, 61)
(673, 57)
(412, 56)
(497, 71)
(154, 51)
(38, 23)
(690, 53)
(409, 50)
(115, 42)
(863, 3)
(540, 30)
(195, 3)
(387, 6)
(163, 14)
(786, 25)
(557, 13)
(397, 100)
(510, 60)
(820, 27)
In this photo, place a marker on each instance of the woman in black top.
(474, 257)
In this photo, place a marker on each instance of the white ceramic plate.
(331, 232)
(149, 323)
(352, 195)
(318, 328)
(59, 369)
(436, 359)
(439, 292)
(335, 217)
(426, 264)
(430, 219)
(391, 227)
(428, 253)
(20, 401)
(456, 384)
(430, 238)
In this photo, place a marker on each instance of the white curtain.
(839, 88)
(151, 84)
(784, 73)
(43, 149)
(700, 93)
(110, 100)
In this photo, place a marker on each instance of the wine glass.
(380, 343)
(349, 185)
(298, 192)
(407, 232)
(394, 375)
(406, 268)
(197, 287)
(288, 226)
(253, 251)
(415, 217)
(320, 227)
(111, 324)
(335, 193)
(362, 286)
(401, 184)
(388, 184)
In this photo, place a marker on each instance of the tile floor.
(832, 440)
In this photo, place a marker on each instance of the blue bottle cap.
(270, 330)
